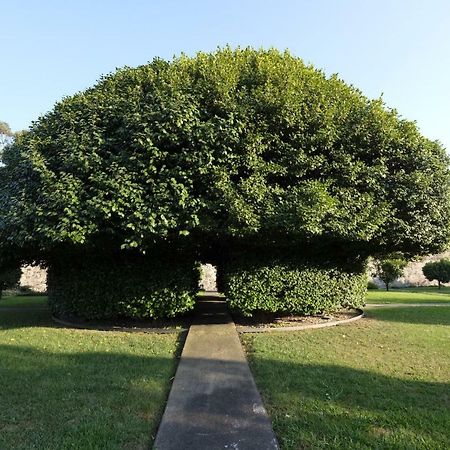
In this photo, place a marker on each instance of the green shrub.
(291, 286)
(9, 278)
(108, 288)
(372, 285)
(25, 290)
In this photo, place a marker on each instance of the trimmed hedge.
(145, 288)
(290, 285)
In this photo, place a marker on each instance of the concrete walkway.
(214, 403)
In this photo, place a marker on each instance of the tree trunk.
(439, 285)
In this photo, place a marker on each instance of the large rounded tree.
(286, 178)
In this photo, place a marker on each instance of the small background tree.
(389, 269)
(5, 133)
(437, 270)
(6, 136)
(9, 279)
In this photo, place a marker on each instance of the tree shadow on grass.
(58, 400)
(92, 400)
(316, 406)
(326, 406)
(429, 315)
(25, 317)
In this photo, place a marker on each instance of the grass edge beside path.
(383, 382)
(66, 388)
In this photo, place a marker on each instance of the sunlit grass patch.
(410, 295)
(65, 388)
(383, 382)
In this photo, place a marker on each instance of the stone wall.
(34, 277)
(412, 275)
(208, 277)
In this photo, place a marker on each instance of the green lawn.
(77, 389)
(409, 295)
(430, 289)
(382, 382)
(23, 301)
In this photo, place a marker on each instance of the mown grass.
(429, 289)
(380, 383)
(409, 295)
(77, 389)
(23, 301)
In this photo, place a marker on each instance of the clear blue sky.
(400, 48)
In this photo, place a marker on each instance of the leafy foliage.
(291, 285)
(388, 270)
(239, 144)
(93, 287)
(437, 270)
(237, 148)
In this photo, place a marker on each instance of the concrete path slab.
(214, 402)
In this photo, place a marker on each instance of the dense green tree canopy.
(245, 144)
